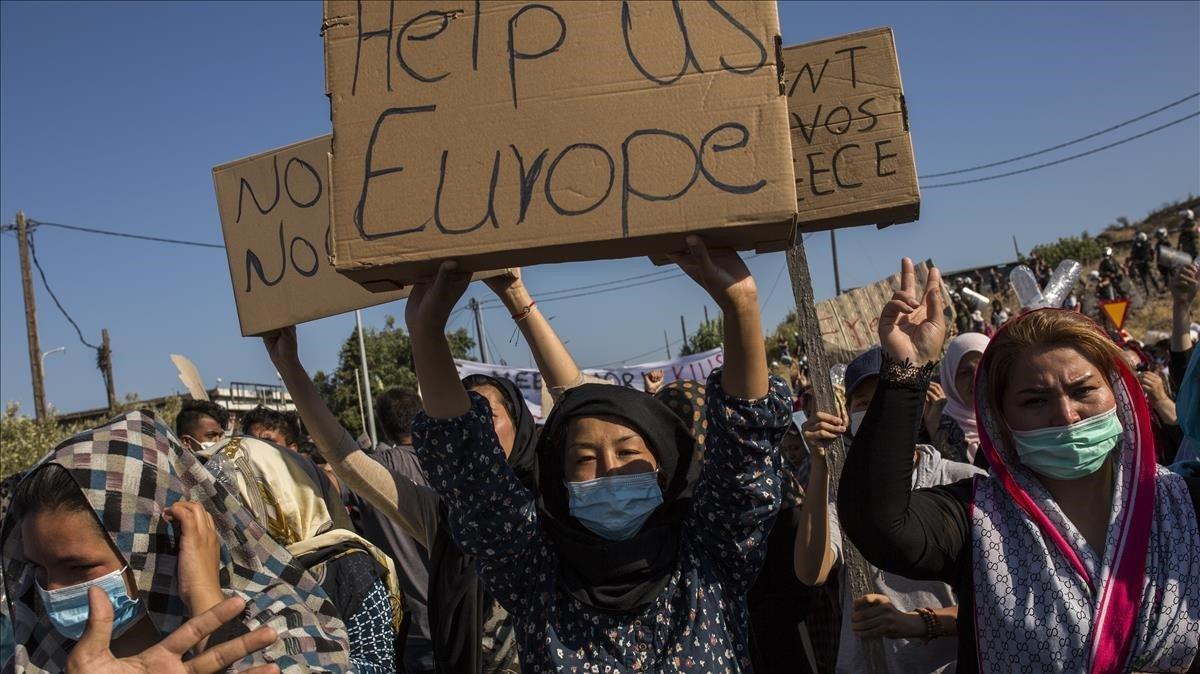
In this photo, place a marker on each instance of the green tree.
(1083, 249)
(711, 335)
(24, 440)
(389, 354)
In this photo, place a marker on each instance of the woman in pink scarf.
(1076, 553)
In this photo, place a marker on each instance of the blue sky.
(112, 115)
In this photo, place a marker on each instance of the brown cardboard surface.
(521, 133)
(850, 322)
(853, 154)
(275, 216)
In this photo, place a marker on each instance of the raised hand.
(875, 616)
(652, 381)
(912, 327)
(721, 272)
(431, 301)
(199, 556)
(820, 431)
(935, 402)
(92, 654)
(1184, 285)
(505, 284)
(281, 346)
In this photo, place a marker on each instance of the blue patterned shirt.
(699, 622)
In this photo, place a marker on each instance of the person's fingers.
(821, 435)
(442, 281)
(98, 631)
(908, 277)
(935, 304)
(870, 599)
(191, 632)
(893, 310)
(700, 252)
(219, 658)
(186, 517)
(826, 416)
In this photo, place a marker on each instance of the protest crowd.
(1014, 479)
(689, 526)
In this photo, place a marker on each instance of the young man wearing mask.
(201, 425)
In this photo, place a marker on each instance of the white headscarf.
(961, 411)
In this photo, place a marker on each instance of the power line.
(655, 276)
(1066, 159)
(46, 285)
(775, 285)
(1062, 145)
(126, 235)
(640, 355)
(549, 294)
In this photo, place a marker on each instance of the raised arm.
(1183, 294)
(738, 493)
(725, 277)
(814, 555)
(493, 517)
(410, 505)
(553, 360)
(919, 534)
(426, 312)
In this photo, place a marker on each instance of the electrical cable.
(1065, 159)
(640, 355)
(46, 285)
(126, 235)
(1062, 145)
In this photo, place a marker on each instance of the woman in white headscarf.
(958, 381)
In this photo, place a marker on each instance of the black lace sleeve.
(919, 533)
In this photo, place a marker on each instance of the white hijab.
(961, 411)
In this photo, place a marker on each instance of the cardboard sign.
(275, 216)
(512, 133)
(853, 155)
(850, 322)
(1116, 310)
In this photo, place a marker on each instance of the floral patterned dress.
(699, 622)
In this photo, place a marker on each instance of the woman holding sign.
(624, 558)
(1076, 552)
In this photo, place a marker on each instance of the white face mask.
(856, 419)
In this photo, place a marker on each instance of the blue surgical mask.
(67, 607)
(1069, 452)
(617, 506)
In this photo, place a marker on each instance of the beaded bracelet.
(933, 625)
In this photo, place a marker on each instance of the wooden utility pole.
(683, 329)
(104, 361)
(822, 387)
(31, 328)
(837, 276)
(667, 342)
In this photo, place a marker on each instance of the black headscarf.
(457, 600)
(617, 576)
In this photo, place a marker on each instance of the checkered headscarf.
(130, 470)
